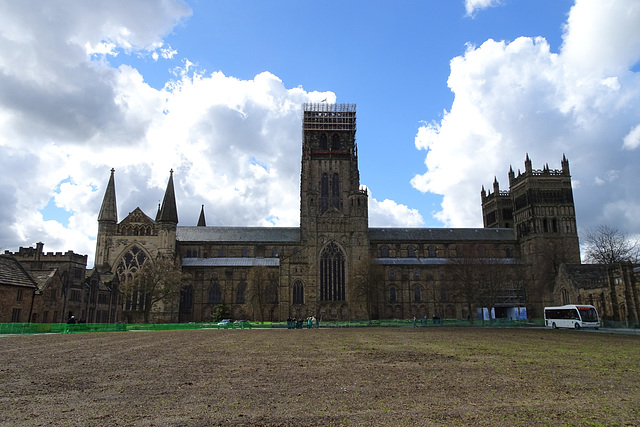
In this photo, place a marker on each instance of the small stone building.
(17, 291)
(613, 289)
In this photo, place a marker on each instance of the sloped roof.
(43, 277)
(586, 275)
(238, 234)
(230, 262)
(441, 234)
(13, 274)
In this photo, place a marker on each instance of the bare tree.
(608, 245)
(467, 282)
(362, 288)
(156, 281)
(263, 291)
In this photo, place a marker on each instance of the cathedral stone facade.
(334, 266)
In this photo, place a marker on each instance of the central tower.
(333, 208)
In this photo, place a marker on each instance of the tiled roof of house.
(13, 274)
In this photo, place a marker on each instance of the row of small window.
(214, 295)
(392, 274)
(417, 294)
(432, 252)
(222, 253)
(136, 231)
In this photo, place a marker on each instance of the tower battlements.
(36, 254)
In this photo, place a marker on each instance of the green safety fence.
(63, 328)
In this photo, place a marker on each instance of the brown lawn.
(363, 376)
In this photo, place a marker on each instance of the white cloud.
(473, 6)
(518, 97)
(389, 213)
(631, 140)
(67, 117)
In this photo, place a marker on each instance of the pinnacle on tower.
(109, 210)
(168, 211)
(201, 221)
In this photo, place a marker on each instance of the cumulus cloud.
(388, 212)
(473, 6)
(517, 97)
(67, 117)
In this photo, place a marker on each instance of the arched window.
(417, 297)
(240, 297)
(215, 294)
(324, 193)
(332, 274)
(384, 252)
(416, 273)
(323, 141)
(410, 252)
(298, 292)
(392, 274)
(392, 294)
(335, 142)
(130, 263)
(565, 297)
(432, 251)
(335, 191)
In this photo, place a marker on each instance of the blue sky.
(446, 101)
(389, 58)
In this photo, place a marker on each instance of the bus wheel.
(553, 325)
(577, 326)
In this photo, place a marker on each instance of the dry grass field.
(365, 376)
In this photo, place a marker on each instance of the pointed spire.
(109, 209)
(201, 220)
(527, 165)
(565, 164)
(168, 210)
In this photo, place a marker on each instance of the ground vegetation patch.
(360, 376)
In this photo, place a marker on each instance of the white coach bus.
(571, 316)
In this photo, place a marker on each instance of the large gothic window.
(130, 263)
(298, 292)
(335, 191)
(324, 193)
(332, 274)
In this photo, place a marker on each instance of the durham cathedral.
(334, 266)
